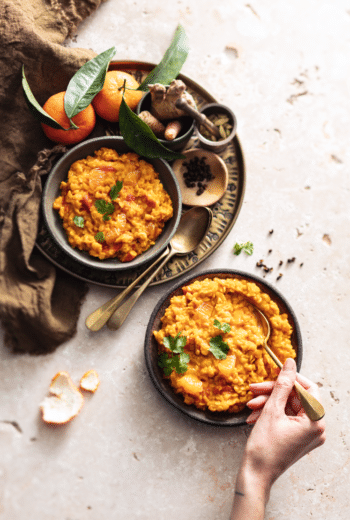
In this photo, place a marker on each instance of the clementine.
(107, 101)
(85, 121)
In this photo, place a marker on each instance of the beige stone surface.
(284, 69)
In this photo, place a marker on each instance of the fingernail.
(288, 365)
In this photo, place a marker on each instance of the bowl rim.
(203, 416)
(223, 142)
(83, 257)
(181, 137)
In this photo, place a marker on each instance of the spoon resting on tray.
(313, 408)
(192, 229)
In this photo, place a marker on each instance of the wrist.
(251, 482)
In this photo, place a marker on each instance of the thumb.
(284, 384)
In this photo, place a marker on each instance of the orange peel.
(65, 401)
(90, 381)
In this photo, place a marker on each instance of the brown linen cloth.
(39, 306)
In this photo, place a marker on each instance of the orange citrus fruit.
(85, 120)
(107, 101)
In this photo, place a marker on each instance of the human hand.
(283, 433)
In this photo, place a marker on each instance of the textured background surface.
(284, 70)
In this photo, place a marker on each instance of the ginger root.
(172, 130)
(155, 125)
(164, 99)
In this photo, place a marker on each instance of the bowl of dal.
(109, 208)
(203, 344)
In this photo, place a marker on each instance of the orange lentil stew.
(113, 205)
(223, 384)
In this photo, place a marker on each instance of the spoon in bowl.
(192, 228)
(313, 408)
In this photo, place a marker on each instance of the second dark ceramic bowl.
(188, 125)
(54, 222)
(151, 346)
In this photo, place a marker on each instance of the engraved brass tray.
(225, 212)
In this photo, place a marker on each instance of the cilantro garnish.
(218, 347)
(100, 237)
(78, 221)
(178, 359)
(105, 208)
(247, 247)
(116, 189)
(225, 327)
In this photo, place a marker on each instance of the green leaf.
(86, 83)
(101, 206)
(78, 221)
(178, 359)
(180, 362)
(100, 237)
(218, 347)
(248, 247)
(175, 344)
(166, 363)
(171, 63)
(35, 108)
(225, 327)
(140, 138)
(115, 190)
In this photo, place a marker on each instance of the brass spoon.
(313, 408)
(192, 228)
(97, 319)
(198, 220)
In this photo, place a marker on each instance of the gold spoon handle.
(313, 408)
(100, 316)
(121, 313)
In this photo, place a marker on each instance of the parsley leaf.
(100, 237)
(180, 362)
(116, 189)
(225, 327)
(247, 247)
(104, 207)
(166, 363)
(78, 221)
(218, 347)
(176, 344)
(178, 359)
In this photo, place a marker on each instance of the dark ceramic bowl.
(151, 346)
(188, 125)
(54, 222)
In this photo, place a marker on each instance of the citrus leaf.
(35, 108)
(140, 138)
(86, 83)
(171, 63)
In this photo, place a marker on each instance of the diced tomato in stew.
(86, 202)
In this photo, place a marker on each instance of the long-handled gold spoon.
(313, 408)
(191, 230)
